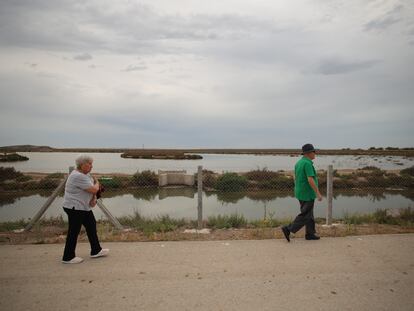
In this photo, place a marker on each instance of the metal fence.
(229, 187)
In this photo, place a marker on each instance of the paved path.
(352, 273)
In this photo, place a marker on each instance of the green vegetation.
(9, 173)
(145, 178)
(265, 179)
(149, 226)
(405, 217)
(22, 223)
(231, 221)
(408, 171)
(160, 155)
(12, 157)
(231, 182)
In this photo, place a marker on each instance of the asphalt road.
(351, 273)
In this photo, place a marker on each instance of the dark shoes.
(286, 232)
(312, 237)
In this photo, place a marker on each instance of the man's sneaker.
(312, 237)
(102, 253)
(286, 232)
(73, 260)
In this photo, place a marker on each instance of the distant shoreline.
(406, 152)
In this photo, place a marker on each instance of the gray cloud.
(336, 66)
(383, 22)
(135, 68)
(225, 75)
(83, 57)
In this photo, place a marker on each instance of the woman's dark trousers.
(76, 220)
(305, 218)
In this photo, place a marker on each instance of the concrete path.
(352, 273)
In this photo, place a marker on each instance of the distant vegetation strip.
(12, 157)
(160, 155)
(377, 151)
(255, 180)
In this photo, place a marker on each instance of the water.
(112, 162)
(182, 203)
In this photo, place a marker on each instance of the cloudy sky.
(196, 73)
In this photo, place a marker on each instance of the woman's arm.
(94, 189)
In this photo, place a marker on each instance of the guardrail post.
(329, 194)
(200, 197)
(49, 202)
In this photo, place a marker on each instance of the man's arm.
(315, 188)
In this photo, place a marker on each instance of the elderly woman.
(80, 192)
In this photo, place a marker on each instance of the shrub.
(145, 178)
(231, 182)
(408, 171)
(23, 178)
(209, 179)
(232, 221)
(48, 183)
(261, 175)
(148, 226)
(279, 182)
(9, 173)
(55, 176)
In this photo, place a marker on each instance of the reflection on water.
(182, 203)
(176, 192)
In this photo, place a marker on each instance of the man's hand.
(315, 188)
(319, 196)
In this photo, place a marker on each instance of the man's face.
(311, 155)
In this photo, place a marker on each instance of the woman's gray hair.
(82, 159)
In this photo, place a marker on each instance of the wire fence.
(177, 193)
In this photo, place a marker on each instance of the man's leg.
(310, 224)
(75, 219)
(306, 212)
(90, 225)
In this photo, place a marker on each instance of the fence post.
(329, 194)
(111, 218)
(49, 202)
(200, 196)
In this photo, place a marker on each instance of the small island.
(160, 155)
(12, 157)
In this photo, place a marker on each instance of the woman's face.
(86, 167)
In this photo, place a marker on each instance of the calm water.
(182, 203)
(113, 163)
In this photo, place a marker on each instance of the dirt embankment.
(57, 234)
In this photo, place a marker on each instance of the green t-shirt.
(304, 169)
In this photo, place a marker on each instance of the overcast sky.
(196, 73)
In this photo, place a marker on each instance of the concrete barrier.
(166, 178)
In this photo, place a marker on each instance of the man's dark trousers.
(76, 220)
(305, 218)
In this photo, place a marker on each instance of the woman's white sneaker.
(104, 252)
(73, 260)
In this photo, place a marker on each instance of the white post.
(200, 197)
(329, 194)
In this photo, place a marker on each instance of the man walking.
(306, 191)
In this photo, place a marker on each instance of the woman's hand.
(93, 201)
